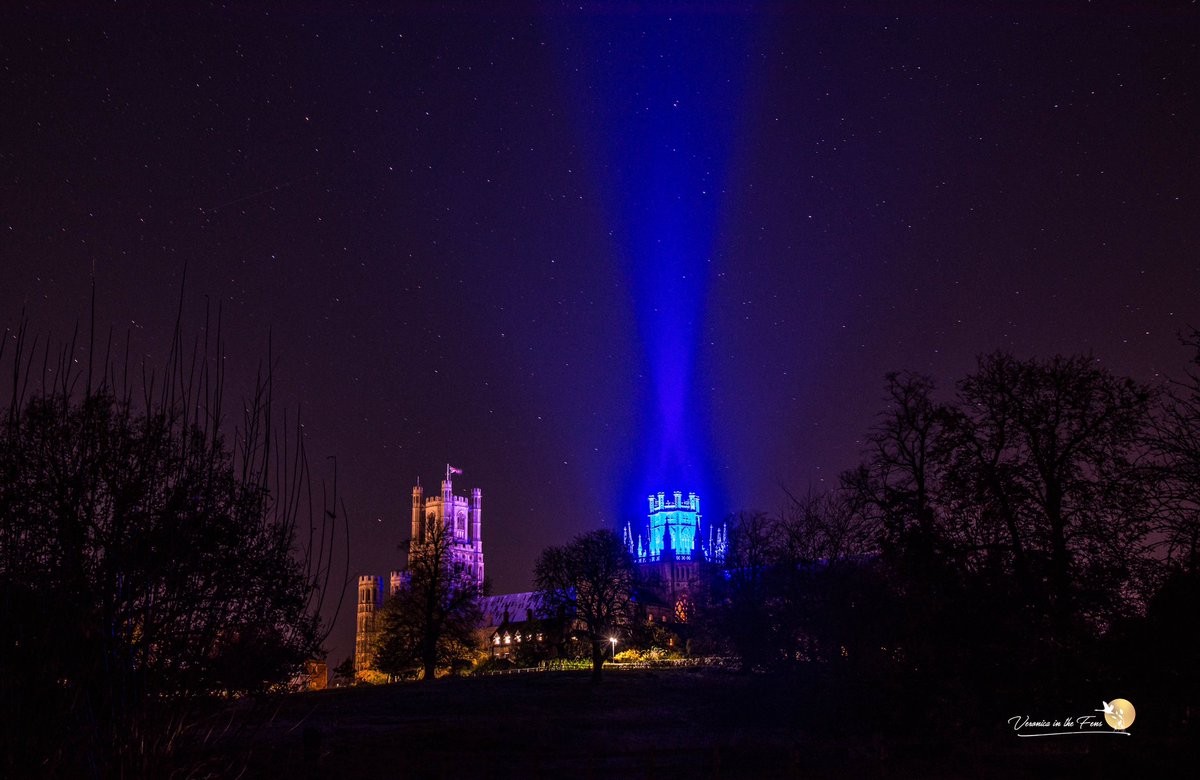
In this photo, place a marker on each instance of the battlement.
(439, 500)
(368, 580)
(660, 503)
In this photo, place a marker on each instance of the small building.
(509, 637)
(315, 676)
(509, 622)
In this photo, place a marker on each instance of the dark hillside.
(648, 725)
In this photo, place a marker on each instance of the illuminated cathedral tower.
(370, 599)
(463, 519)
(675, 531)
(671, 549)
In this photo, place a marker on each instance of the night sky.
(589, 253)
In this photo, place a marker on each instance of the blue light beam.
(662, 98)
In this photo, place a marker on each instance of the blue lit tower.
(670, 551)
(675, 531)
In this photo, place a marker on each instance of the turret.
(417, 515)
(477, 519)
(370, 593)
(477, 532)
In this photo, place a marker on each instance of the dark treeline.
(1027, 539)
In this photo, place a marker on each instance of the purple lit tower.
(462, 517)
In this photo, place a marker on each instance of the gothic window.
(460, 526)
(683, 608)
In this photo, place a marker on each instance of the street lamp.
(613, 639)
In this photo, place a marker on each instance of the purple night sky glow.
(590, 254)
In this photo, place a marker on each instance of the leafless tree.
(589, 581)
(429, 623)
(153, 554)
(901, 470)
(826, 527)
(1175, 463)
(1051, 447)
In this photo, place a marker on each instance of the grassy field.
(640, 724)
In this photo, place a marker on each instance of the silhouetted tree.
(898, 613)
(901, 469)
(803, 586)
(1015, 516)
(1051, 446)
(825, 527)
(429, 623)
(748, 599)
(589, 582)
(146, 566)
(827, 550)
(1175, 445)
(343, 673)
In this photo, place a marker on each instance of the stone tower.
(676, 543)
(370, 599)
(675, 530)
(463, 518)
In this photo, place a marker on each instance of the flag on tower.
(453, 470)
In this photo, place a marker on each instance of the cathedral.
(669, 551)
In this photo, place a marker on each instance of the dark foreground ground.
(647, 724)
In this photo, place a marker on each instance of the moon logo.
(1119, 714)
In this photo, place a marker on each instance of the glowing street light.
(613, 639)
